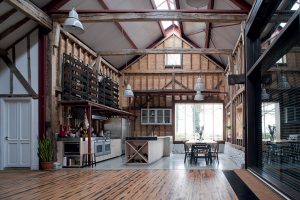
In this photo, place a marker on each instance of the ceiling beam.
(208, 26)
(156, 16)
(119, 26)
(159, 23)
(215, 11)
(165, 51)
(242, 4)
(180, 23)
(12, 28)
(212, 59)
(7, 15)
(32, 11)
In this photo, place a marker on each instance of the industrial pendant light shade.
(283, 83)
(264, 94)
(197, 3)
(199, 86)
(72, 23)
(128, 91)
(199, 96)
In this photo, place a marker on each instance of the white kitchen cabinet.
(115, 150)
(156, 116)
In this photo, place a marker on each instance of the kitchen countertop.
(70, 139)
(141, 138)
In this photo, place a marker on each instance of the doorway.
(16, 133)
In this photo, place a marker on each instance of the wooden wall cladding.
(235, 100)
(149, 73)
(68, 44)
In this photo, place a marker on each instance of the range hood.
(99, 117)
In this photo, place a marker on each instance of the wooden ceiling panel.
(17, 34)
(13, 19)
(129, 4)
(4, 7)
(82, 5)
(138, 31)
(225, 4)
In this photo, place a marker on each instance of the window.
(282, 60)
(173, 60)
(270, 117)
(190, 116)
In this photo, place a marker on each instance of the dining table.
(210, 143)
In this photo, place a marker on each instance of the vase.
(46, 165)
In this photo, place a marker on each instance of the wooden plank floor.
(115, 184)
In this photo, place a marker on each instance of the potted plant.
(45, 153)
(199, 131)
(272, 130)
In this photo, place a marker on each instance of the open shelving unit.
(136, 152)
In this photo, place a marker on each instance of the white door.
(17, 133)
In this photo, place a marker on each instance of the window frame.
(173, 66)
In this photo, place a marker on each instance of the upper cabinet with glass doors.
(156, 116)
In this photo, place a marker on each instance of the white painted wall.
(21, 61)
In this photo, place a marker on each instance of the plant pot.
(46, 165)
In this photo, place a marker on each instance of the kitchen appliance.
(118, 128)
(102, 147)
(71, 148)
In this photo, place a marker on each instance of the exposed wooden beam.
(80, 43)
(242, 4)
(180, 23)
(156, 16)
(7, 15)
(165, 51)
(173, 92)
(12, 28)
(159, 23)
(208, 26)
(166, 71)
(119, 26)
(208, 11)
(32, 11)
(136, 58)
(19, 76)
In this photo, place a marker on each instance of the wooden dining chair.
(199, 150)
(187, 151)
(215, 151)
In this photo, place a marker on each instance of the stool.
(85, 160)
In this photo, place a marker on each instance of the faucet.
(153, 129)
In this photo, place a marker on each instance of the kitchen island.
(146, 150)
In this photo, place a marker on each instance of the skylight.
(166, 5)
(295, 7)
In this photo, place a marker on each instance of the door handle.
(6, 138)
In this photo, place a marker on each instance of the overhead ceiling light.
(197, 3)
(283, 83)
(128, 91)
(199, 96)
(264, 94)
(199, 86)
(72, 23)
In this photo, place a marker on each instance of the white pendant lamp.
(264, 94)
(72, 23)
(128, 91)
(197, 3)
(199, 96)
(199, 86)
(283, 83)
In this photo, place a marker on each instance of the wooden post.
(89, 116)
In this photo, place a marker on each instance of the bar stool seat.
(85, 160)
